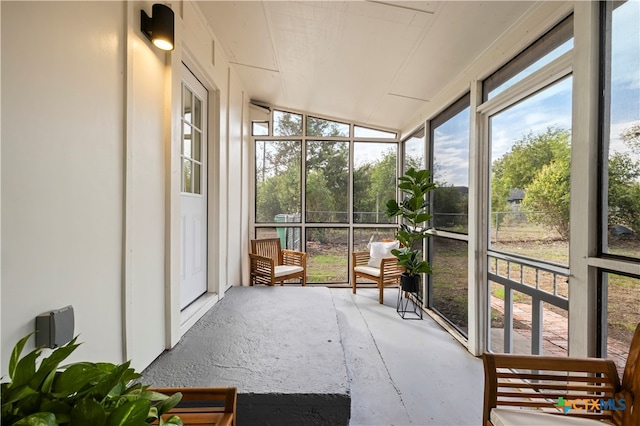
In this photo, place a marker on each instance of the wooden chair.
(388, 274)
(270, 264)
(525, 389)
(204, 406)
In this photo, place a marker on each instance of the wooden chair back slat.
(268, 247)
(537, 382)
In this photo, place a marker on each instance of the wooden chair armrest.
(537, 382)
(261, 265)
(292, 257)
(389, 267)
(360, 258)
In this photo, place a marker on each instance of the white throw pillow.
(379, 251)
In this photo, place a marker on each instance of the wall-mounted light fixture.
(159, 28)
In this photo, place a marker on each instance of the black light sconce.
(159, 28)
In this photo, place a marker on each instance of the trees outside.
(540, 165)
(373, 184)
(277, 179)
(526, 166)
(624, 182)
(327, 174)
(450, 207)
(278, 175)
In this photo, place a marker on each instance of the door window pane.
(197, 112)
(186, 176)
(278, 181)
(374, 181)
(327, 181)
(530, 170)
(197, 146)
(186, 103)
(191, 142)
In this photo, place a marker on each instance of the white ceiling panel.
(373, 62)
(243, 30)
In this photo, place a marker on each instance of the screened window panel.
(327, 255)
(326, 128)
(327, 182)
(374, 181)
(414, 151)
(366, 132)
(530, 175)
(449, 281)
(550, 46)
(622, 141)
(363, 236)
(623, 298)
(289, 236)
(450, 171)
(260, 128)
(278, 186)
(287, 123)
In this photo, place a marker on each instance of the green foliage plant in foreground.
(82, 393)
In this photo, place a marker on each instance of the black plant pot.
(410, 283)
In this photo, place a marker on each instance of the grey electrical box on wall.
(55, 328)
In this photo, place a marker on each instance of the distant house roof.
(516, 195)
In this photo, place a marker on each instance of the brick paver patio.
(555, 333)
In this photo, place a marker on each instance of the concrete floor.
(396, 372)
(405, 372)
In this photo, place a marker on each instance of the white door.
(193, 199)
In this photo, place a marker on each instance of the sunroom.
(133, 179)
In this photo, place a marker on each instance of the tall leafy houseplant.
(82, 393)
(413, 214)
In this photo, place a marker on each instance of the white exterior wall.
(62, 170)
(89, 113)
(235, 242)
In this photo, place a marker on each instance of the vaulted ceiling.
(372, 62)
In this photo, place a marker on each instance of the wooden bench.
(204, 406)
(541, 390)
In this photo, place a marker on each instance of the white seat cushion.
(381, 250)
(369, 270)
(281, 270)
(512, 417)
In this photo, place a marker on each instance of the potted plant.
(413, 212)
(82, 393)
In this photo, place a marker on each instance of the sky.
(550, 107)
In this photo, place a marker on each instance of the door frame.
(177, 321)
